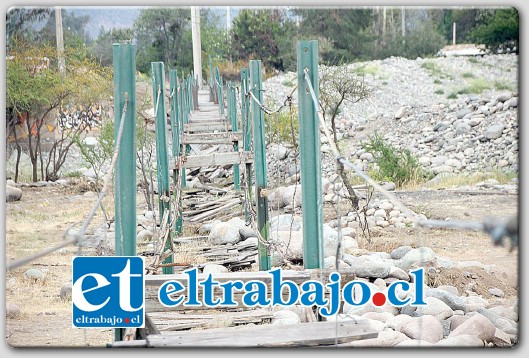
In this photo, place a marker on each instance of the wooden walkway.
(208, 126)
(239, 326)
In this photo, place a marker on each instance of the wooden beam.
(263, 276)
(297, 335)
(212, 138)
(207, 126)
(216, 159)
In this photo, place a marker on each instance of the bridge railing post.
(124, 64)
(162, 163)
(176, 130)
(245, 120)
(125, 177)
(260, 163)
(309, 141)
(232, 117)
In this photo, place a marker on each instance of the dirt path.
(41, 217)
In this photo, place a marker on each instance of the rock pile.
(463, 135)
(450, 318)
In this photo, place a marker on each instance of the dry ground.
(42, 216)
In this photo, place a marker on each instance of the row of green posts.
(182, 99)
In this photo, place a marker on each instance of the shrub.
(282, 126)
(394, 164)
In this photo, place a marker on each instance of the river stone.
(144, 235)
(435, 307)
(275, 199)
(477, 325)
(449, 288)
(35, 274)
(501, 339)
(224, 233)
(66, 291)
(505, 312)
(504, 97)
(378, 316)
(386, 205)
(496, 292)
(284, 318)
(453, 301)
(464, 340)
(416, 257)
(463, 112)
(401, 112)
(426, 328)
(292, 195)
(388, 186)
(369, 266)
(494, 131)
(512, 103)
(12, 310)
(388, 338)
(462, 128)
(400, 251)
(285, 222)
(414, 343)
(280, 152)
(13, 194)
(246, 232)
(289, 243)
(507, 325)
(214, 268)
(398, 273)
(206, 228)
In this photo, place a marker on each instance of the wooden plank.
(206, 127)
(212, 138)
(139, 343)
(209, 213)
(298, 335)
(217, 159)
(264, 276)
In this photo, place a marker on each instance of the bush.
(282, 127)
(100, 154)
(394, 164)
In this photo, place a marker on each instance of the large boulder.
(13, 193)
(224, 233)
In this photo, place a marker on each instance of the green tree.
(345, 28)
(259, 34)
(101, 48)
(465, 19)
(35, 88)
(160, 36)
(214, 37)
(498, 29)
(19, 20)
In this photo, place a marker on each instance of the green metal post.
(210, 80)
(309, 141)
(125, 171)
(162, 162)
(260, 163)
(125, 177)
(221, 96)
(183, 119)
(232, 116)
(175, 132)
(245, 119)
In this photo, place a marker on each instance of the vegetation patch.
(396, 165)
